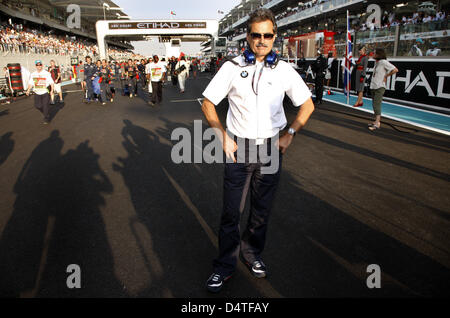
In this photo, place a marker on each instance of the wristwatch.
(292, 132)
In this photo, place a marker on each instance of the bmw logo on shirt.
(244, 74)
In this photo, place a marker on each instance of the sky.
(184, 9)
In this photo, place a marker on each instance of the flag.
(172, 13)
(348, 61)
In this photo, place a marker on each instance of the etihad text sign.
(156, 25)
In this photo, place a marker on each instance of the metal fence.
(403, 40)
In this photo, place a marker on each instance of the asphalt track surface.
(97, 188)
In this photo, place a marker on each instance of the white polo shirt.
(256, 112)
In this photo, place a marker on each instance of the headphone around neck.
(271, 59)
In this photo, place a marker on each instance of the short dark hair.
(261, 15)
(380, 53)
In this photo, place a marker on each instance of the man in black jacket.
(105, 77)
(141, 68)
(132, 73)
(319, 68)
(90, 71)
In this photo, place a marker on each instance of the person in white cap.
(40, 81)
(55, 72)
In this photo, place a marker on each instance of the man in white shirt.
(157, 71)
(182, 69)
(255, 83)
(40, 81)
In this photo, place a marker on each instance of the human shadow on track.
(176, 204)
(313, 250)
(57, 222)
(6, 146)
(176, 260)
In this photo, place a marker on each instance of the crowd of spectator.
(17, 39)
(429, 22)
(300, 7)
(426, 21)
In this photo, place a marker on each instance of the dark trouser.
(112, 88)
(132, 85)
(90, 89)
(104, 91)
(377, 100)
(319, 88)
(42, 103)
(121, 82)
(157, 92)
(142, 79)
(239, 179)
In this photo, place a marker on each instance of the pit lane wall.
(421, 82)
(27, 60)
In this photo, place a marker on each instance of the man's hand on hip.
(284, 142)
(229, 147)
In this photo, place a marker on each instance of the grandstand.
(397, 27)
(414, 34)
(31, 29)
